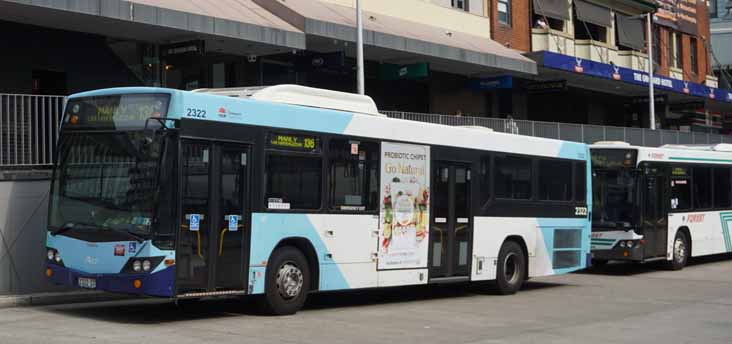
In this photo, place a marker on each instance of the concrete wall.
(23, 210)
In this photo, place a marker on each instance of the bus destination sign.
(294, 142)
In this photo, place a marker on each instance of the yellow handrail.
(221, 239)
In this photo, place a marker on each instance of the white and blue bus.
(286, 190)
(665, 204)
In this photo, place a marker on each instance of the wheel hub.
(511, 268)
(289, 281)
(679, 250)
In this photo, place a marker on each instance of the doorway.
(214, 191)
(451, 230)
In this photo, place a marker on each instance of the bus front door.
(450, 229)
(655, 224)
(211, 252)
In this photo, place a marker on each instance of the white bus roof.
(720, 153)
(303, 96)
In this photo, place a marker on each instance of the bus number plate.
(87, 283)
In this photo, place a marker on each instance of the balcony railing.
(571, 132)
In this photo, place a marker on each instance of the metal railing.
(586, 133)
(28, 130)
(29, 127)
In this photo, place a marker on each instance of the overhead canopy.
(557, 9)
(630, 32)
(592, 13)
(173, 20)
(395, 38)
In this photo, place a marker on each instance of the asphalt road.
(616, 304)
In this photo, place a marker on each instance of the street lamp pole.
(651, 98)
(359, 49)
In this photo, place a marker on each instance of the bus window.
(722, 188)
(555, 180)
(680, 193)
(513, 177)
(702, 183)
(353, 175)
(485, 179)
(580, 180)
(292, 181)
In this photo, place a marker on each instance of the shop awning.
(394, 36)
(592, 13)
(630, 32)
(557, 9)
(609, 78)
(232, 19)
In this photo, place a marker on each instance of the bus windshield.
(107, 182)
(614, 187)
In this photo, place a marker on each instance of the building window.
(353, 175)
(544, 22)
(677, 51)
(504, 12)
(460, 4)
(656, 46)
(693, 56)
(712, 8)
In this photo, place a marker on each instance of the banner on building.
(677, 14)
(405, 212)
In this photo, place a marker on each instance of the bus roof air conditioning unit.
(303, 96)
(612, 143)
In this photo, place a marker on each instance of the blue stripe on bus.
(268, 230)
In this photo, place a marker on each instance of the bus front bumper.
(620, 253)
(153, 284)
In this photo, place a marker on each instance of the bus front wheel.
(680, 252)
(511, 268)
(287, 282)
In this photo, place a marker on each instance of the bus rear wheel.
(511, 268)
(287, 282)
(680, 252)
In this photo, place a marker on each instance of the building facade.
(594, 57)
(720, 19)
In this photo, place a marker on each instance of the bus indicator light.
(49, 272)
(137, 284)
(169, 262)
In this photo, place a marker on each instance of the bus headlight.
(146, 265)
(57, 257)
(630, 244)
(622, 244)
(50, 254)
(136, 266)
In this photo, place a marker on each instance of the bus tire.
(287, 282)
(511, 268)
(680, 251)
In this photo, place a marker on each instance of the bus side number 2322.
(580, 211)
(196, 113)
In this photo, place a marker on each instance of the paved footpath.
(617, 304)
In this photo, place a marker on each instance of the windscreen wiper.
(71, 225)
